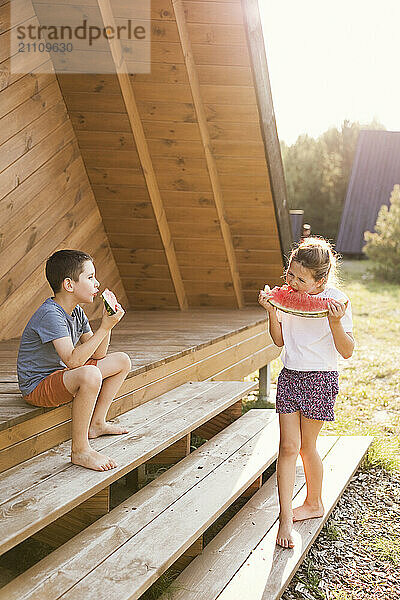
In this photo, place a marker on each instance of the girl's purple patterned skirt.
(313, 393)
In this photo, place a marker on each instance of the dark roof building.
(296, 221)
(376, 169)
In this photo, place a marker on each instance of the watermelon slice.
(297, 303)
(110, 302)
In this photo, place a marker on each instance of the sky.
(331, 60)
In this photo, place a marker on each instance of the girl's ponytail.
(317, 254)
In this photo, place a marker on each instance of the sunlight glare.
(331, 61)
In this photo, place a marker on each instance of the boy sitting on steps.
(54, 369)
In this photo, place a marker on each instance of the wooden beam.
(144, 155)
(205, 137)
(255, 40)
(220, 421)
(194, 550)
(172, 454)
(64, 528)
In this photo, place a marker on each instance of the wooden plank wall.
(219, 46)
(165, 102)
(169, 121)
(46, 201)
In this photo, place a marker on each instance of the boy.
(54, 369)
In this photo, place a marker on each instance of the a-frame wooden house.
(172, 180)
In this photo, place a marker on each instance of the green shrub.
(383, 247)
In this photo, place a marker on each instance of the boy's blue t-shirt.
(37, 356)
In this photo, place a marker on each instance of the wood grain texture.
(251, 557)
(45, 195)
(219, 471)
(203, 344)
(181, 18)
(151, 430)
(208, 575)
(191, 158)
(145, 158)
(76, 520)
(183, 165)
(174, 453)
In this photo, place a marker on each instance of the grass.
(341, 595)
(164, 585)
(311, 580)
(368, 403)
(332, 532)
(386, 549)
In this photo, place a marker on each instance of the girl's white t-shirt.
(308, 341)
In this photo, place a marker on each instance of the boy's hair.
(64, 264)
(317, 254)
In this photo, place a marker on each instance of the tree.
(317, 173)
(383, 246)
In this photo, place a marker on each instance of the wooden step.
(244, 556)
(38, 491)
(123, 553)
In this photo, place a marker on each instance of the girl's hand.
(263, 298)
(336, 310)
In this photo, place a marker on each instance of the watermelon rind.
(312, 314)
(108, 308)
(318, 314)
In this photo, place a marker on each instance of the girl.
(308, 382)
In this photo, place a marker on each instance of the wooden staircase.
(46, 487)
(121, 553)
(243, 561)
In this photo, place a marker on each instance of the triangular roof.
(172, 179)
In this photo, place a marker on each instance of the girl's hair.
(317, 254)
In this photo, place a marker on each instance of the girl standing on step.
(308, 382)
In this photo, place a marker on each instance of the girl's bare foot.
(91, 459)
(284, 536)
(308, 511)
(106, 429)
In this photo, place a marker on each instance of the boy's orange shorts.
(51, 391)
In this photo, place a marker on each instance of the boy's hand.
(336, 310)
(109, 321)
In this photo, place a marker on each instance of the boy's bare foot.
(308, 511)
(93, 460)
(106, 429)
(284, 536)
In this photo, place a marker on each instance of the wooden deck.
(167, 348)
